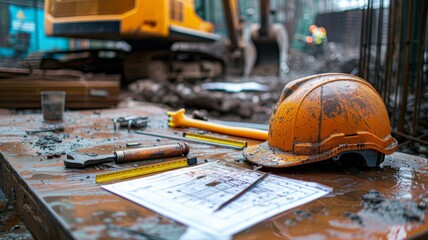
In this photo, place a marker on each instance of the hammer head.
(81, 160)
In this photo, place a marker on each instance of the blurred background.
(227, 59)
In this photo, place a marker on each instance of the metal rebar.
(390, 52)
(379, 43)
(361, 66)
(419, 90)
(406, 67)
(410, 137)
(410, 140)
(369, 38)
(400, 63)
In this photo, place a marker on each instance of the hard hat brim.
(267, 156)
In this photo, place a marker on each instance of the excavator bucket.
(267, 51)
(264, 45)
(271, 44)
(272, 49)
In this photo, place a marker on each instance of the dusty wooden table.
(60, 203)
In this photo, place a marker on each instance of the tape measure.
(215, 139)
(143, 170)
(201, 138)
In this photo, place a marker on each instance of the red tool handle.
(170, 150)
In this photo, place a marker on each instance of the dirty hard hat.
(321, 117)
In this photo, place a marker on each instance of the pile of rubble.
(232, 98)
(250, 104)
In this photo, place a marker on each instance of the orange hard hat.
(312, 27)
(324, 116)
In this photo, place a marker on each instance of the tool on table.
(215, 139)
(179, 119)
(224, 143)
(200, 116)
(131, 122)
(58, 128)
(133, 144)
(143, 170)
(129, 155)
(264, 127)
(242, 192)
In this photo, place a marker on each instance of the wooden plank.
(96, 93)
(82, 90)
(91, 92)
(48, 83)
(73, 105)
(69, 98)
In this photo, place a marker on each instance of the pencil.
(242, 192)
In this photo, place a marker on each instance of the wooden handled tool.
(129, 155)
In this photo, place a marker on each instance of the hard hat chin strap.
(373, 158)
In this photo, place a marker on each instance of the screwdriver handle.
(170, 150)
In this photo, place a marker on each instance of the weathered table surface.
(60, 203)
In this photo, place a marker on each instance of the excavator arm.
(233, 24)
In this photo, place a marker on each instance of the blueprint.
(190, 195)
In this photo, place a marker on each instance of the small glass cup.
(53, 105)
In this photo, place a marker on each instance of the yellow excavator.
(168, 39)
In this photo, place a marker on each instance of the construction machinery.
(168, 39)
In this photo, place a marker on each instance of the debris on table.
(378, 209)
(131, 122)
